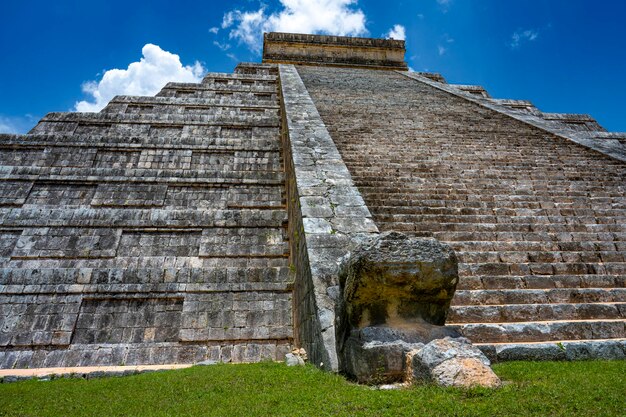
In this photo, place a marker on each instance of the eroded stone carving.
(396, 295)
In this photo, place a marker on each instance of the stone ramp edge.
(607, 146)
(327, 217)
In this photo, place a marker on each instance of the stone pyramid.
(209, 222)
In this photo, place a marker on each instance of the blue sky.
(564, 55)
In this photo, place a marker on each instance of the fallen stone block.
(450, 362)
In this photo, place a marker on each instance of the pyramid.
(209, 222)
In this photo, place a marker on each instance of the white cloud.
(146, 77)
(397, 32)
(446, 42)
(7, 125)
(337, 17)
(444, 4)
(16, 124)
(521, 36)
(228, 20)
(214, 30)
(223, 46)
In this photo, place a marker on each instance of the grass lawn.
(539, 389)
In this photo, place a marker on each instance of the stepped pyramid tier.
(152, 232)
(210, 222)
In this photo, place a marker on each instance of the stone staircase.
(152, 232)
(538, 222)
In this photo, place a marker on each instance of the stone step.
(425, 164)
(148, 175)
(75, 194)
(122, 103)
(372, 183)
(139, 217)
(148, 261)
(219, 79)
(528, 312)
(155, 111)
(419, 175)
(503, 282)
(585, 349)
(84, 372)
(50, 195)
(145, 318)
(527, 257)
(256, 68)
(222, 95)
(269, 87)
(516, 226)
(143, 289)
(490, 216)
(567, 205)
(66, 242)
(554, 236)
(429, 154)
(42, 277)
(605, 206)
(459, 198)
(504, 247)
(99, 119)
(226, 160)
(251, 139)
(543, 331)
(539, 296)
(607, 211)
(543, 268)
(145, 354)
(240, 76)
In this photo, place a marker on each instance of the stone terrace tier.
(538, 222)
(152, 232)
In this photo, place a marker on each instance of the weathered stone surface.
(297, 357)
(149, 233)
(441, 350)
(376, 362)
(465, 372)
(399, 281)
(535, 217)
(293, 360)
(451, 362)
(396, 292)
(568, 350)
(288, 48)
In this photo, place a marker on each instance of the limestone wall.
(152, 232)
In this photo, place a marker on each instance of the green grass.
(540, 389)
